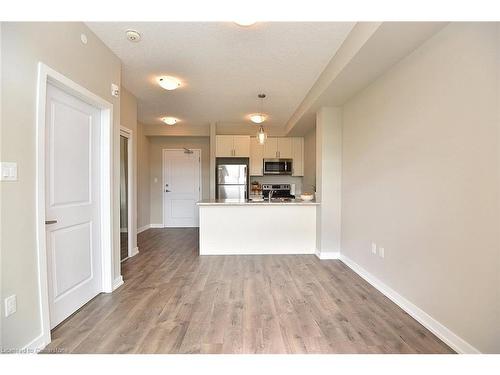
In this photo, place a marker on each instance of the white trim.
(129, 135)
(142, 229)
(35, 346)
(446, 335)
(46, 75)
(156, 226)
(134, 252)
(200, 191)
(325, 255)
(118, 282)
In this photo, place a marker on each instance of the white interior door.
(181, 188)
(72, 203)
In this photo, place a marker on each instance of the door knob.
(167, 191)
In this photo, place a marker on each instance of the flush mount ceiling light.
(133, 35)
(260, 117)
(169, 83)
(170, 120)
(245, 23)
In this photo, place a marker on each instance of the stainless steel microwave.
(278, 166)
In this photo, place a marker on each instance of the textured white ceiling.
(223, 66)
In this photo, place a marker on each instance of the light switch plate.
(381, 252)
(10, 304)
(374, 248)
(8, 171)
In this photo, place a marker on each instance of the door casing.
(48, 75)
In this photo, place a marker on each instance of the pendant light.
(259, 118)
(261, 135)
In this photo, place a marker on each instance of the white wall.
(421, 177)
(143, 181)
(128, 119)
(157, 144)
(309, 179)
(328, 180)
(93, 66)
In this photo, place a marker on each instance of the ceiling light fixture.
(259, 118)
(170, 120)
(261, 135)
(169, 83)
(133, 35)
(245, 23)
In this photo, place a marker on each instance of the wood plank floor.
(174, 301)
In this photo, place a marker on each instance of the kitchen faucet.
(271, 192)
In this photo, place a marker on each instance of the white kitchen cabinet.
(297, 156)
(271, 148)
(232, 146)
(241, 146)
(284, 148)
(256, 157)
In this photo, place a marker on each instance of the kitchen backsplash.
(283, 180)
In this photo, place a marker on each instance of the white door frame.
(164, 151)
(129, 135)
(48, 75)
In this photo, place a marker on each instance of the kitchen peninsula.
(232, 227)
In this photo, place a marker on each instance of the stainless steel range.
(277, 191)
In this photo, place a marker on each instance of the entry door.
(181, 188)
(72, 203)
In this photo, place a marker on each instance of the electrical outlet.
(8, 171)
(10, 304)
(374, 248)
(381, 252)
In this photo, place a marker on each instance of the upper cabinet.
(271, 148)
(285, 148)
(232, 146)
(256, 157)
(278, 148)
(297, 156)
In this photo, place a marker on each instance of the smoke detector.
(133, 35)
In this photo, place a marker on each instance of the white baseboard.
(156, 226)
(142, 229)
(118, 282)
(323, 255)
(36, 345)
(135, 251)
(443, 333)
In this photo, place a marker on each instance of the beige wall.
(157, 144)
(143, 184)
(309, 160)
(421, 179)
(93, 66)
(128, 119)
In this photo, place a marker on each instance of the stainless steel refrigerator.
(232, 181)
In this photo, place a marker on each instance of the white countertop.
(235, 202)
